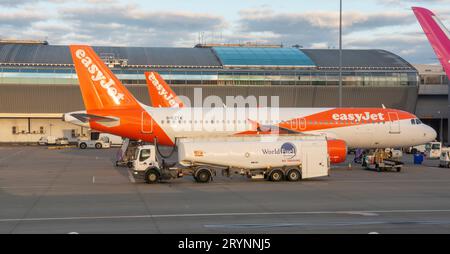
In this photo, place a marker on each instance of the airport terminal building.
(38, 82)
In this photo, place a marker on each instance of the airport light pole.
(340, 53)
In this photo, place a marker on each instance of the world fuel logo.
(287, 150)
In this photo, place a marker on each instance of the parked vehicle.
(47, 140)
(380, 160)
(274, 160)
(394, 153)
(433, 150)
(103, 142)
(444, 159)
(113, 139)
(62, 141)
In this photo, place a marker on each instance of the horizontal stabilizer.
(107, 121)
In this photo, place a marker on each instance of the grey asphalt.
(71, 190)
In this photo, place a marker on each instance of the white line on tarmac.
(221, 214)
(131, 177)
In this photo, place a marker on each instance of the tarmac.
(81, 191)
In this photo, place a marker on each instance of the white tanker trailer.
(272, 158)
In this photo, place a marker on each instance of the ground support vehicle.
(284, 158)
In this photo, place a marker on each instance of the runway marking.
(328, 224)
(24, 187)
(131, 177)
(220, 215)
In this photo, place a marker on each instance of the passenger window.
(413, 121)
(145, 154)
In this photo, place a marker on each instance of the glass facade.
(63, 76)
(247, 56)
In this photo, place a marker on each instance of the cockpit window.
(418, 121)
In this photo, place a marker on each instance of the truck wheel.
(83, 146)
(151, 176)
(276, 175)
(399, 169)
(203, 176)
(294, 175)
(98, 146)
(414, 151)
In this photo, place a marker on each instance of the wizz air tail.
(160, 93)
(100, 88)
(437, 34)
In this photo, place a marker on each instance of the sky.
(370, 24)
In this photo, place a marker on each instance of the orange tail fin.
(99, 86)
(160, 93)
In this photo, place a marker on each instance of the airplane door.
(302, 124)
(146, 123)
(294, 124)
(394, 123)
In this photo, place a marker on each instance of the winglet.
(160, 93)
(437, 34)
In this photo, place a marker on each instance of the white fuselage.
(385, 128)
(203, 122)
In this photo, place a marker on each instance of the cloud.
(20, 19)
(15, 3)
(129, 25)
(113, 24)
(132, 16)
(118, 24)
(316, 29)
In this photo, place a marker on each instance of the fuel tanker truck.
(277, 158)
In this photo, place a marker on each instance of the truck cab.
(148, 167)
(145, 158)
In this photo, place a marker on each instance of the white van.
(49, 140)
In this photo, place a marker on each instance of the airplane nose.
(430, 133)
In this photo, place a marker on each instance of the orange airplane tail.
(100, 88)
(160, 93)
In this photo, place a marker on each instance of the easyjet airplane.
(437, 34)
(111, 108)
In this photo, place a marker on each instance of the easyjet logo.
(358, 117)
(162, 91)
(97, 76)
